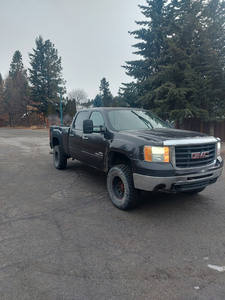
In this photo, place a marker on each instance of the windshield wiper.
(146, 122)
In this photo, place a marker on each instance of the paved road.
(61, 238)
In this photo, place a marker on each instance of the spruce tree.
(20, 96)
(150, 48)
(214, 62)
(106, 96)
(70, 108)
(1, 94)
(15, 94)
(10, 103)
(45, 75)
(21, 92)
(181, 72)
(175, 82)
(129, 94)
(97, 101)
(16, 64)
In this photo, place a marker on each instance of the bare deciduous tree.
(67, 120)
(53, 120)
(79, 95)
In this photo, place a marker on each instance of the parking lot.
(61, 238)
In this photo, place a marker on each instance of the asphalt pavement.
(61, 238)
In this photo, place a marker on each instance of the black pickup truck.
(138, 151)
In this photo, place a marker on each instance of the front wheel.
(121, 188)
(59, 158)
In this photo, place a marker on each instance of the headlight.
(156, 154)
(218, 148)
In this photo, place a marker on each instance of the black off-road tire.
(121, 188)
(196, 191)
(59, 158)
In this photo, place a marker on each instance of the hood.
(164, 134)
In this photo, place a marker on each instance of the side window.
(78, 123)
(97, 119)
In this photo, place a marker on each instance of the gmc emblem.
(197, 155)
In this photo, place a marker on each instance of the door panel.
(76, 135)
(94, 149)
(95, 145)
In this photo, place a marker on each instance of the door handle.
(85, 137)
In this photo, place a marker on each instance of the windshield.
(134, 119)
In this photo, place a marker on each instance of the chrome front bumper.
(177, 183)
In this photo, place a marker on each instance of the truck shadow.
(155, 199)
(148, 200)
(86, 170)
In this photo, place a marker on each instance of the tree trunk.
(201, 127)
(28, 121)
(211, 129)
(182, 126)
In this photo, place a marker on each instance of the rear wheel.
(121, 188)
(59, 158)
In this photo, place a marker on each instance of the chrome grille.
(192, 156)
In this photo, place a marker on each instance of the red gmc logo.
(197, 155)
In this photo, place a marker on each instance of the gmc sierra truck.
(139, 151)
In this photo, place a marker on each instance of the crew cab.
(139, 151)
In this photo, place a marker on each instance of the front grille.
(194, 156)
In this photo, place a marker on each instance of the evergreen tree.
(1, 94)
(181, 73)
(129, 95)
(11, 106)
(151, 46)
(20, 95)
(106, 96)
(70, 108)
(16, 64)
(45, 75)
(97, 101)
(213, 60)
(175, 83)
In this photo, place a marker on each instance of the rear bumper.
(177, 183)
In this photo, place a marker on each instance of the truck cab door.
(95, 144)
(76, 135)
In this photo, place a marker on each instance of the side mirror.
(87, 126)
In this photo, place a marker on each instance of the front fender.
(131, 150)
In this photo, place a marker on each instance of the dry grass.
(41, 127)
(33, 127)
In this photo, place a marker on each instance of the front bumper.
(180, 182)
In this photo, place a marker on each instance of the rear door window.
(78, 122)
